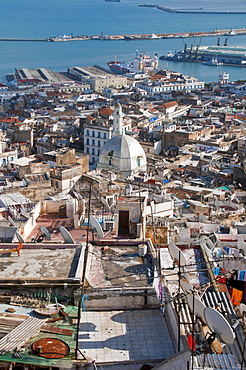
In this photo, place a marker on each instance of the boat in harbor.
(113, 1)
(142, 64)
(213, 62)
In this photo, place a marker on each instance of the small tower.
(117, 120)
(223, 78)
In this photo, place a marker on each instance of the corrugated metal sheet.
(216, 361)
(221, 300)
(231, 353)
(20, 334)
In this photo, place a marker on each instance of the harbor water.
(46, 18)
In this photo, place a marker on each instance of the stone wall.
(180, 361)
(115, 298)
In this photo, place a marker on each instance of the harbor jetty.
(142, 36)
(190, 11)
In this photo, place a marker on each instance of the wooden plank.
(10, 322)
(56, 330)
(5, 314)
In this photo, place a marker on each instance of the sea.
(41, 19)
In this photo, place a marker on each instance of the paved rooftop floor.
(118, 265)
(124, 336)
(39, 263)
(53, 223)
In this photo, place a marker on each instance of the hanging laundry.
(236, 296)
(241, 275)
(227, 250)
(217, 271)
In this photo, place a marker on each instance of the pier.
(142, 36)
(190, 11)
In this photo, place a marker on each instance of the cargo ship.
(224, 55)
(142, 64)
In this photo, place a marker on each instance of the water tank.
(142, 250)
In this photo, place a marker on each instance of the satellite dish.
(202, 218)
(11, 221)
(208, 241)
(199, 306)
(185, 276)
(105, 202)
(218, 324)
(96, 227)
(175, 238)
(176, 229)
(176, 254)
(241, 245)
(242, 307)
(207, 250)
(66, 235)
(185, 285)
(45, 232)
(112, 205)
(19, 237)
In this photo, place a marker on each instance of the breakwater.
(24, 40)
(190, 11)
(142, 36)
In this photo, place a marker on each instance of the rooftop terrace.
(117, 336)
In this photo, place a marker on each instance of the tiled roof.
(106, 111)
(10, 120)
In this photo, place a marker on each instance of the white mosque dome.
(123, 153)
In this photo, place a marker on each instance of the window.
(88, 150)
(87, 142)
(93, 142)
(139, 161)
(93, 151)
(87, 132)
(93, 133)
(98, 152)
(99, 143)
(110, 161)
(105, 135)
(99, 134)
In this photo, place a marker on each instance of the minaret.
(117, 120)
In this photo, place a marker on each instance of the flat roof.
(118, 265)
(116, 336)
(9, 321)
(38, 262)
